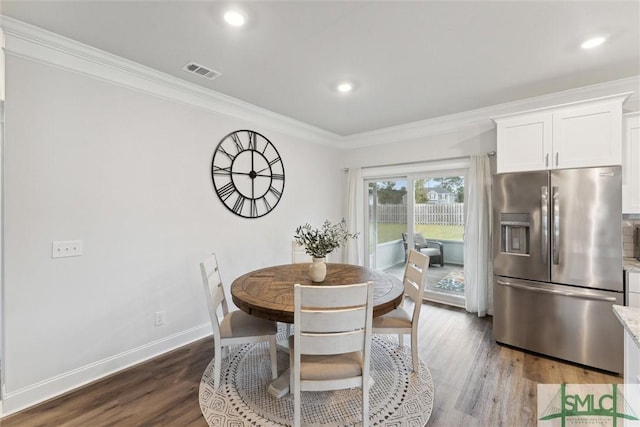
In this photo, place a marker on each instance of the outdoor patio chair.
(432, 248)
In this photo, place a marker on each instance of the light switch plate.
(67, 248)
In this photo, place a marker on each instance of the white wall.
(467, 141)
(116, 155)
(128, 174)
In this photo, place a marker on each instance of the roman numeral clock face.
(247, 173)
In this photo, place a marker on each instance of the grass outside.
(389, 232)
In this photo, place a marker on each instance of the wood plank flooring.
(477, 382)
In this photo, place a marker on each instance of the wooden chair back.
(214, 292)
(298, 254)
(415, 281)
(331, 321)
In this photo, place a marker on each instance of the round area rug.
(399, 397)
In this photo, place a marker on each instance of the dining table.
(268, 293)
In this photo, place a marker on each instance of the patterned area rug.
(453, 282)
(398, 397)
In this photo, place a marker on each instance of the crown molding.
(479, 120)
(27, 41)
(33, 43)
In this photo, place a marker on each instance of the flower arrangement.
(320, 242)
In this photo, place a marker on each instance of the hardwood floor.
(477, 382)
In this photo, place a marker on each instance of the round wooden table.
(268, 292)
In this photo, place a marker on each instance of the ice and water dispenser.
(514, 233)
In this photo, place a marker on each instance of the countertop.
(630, 264)
(630, 319)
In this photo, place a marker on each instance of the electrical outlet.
(159, 318)
(67, 248)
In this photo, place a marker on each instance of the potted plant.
(320, 242)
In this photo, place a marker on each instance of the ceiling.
(409, 61)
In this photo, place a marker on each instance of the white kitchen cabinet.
(630, 319)
(524, 142)
(631, 369)
(580, 134)
(631, 163)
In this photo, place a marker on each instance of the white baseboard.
(63, 383)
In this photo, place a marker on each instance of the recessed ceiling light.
(345, 87)
(593, 42)
(234, 18)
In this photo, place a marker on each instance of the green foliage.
(421, 192)
(388, 195)
(453, 184)
(320, 242)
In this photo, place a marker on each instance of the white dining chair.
(298, 254)
(330, 346)
(235, 327)
(400, 321)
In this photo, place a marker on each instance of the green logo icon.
(586, 404)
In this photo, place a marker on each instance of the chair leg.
(297, 412)
(401, 340)
(414, 351)
(365, 402)
(217, 363)
(273, 350)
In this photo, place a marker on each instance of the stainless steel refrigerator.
(557, 244)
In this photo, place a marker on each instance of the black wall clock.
(247, 173)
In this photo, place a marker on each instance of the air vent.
(200, 70)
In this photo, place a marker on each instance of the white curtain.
(478, 267)
(353, 251)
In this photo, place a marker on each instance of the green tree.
(453, 184)
(389, 195)
(421, 191)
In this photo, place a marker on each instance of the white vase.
(318, 269)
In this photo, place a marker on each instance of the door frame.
(410, 171)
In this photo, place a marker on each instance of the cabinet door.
(587, 136)
(631, 367)
(631, 164)
(633, 282)
(524, 143)
(634, 300)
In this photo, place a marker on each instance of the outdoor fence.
(425, 213)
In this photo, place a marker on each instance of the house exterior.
(439, 195)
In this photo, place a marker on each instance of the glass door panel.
(438, 225)
(387, 220)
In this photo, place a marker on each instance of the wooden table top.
(268, 292)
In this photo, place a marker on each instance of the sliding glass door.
(432, 207)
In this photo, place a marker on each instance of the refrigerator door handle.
(555, 207)
(556, 292)
(544, 203)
